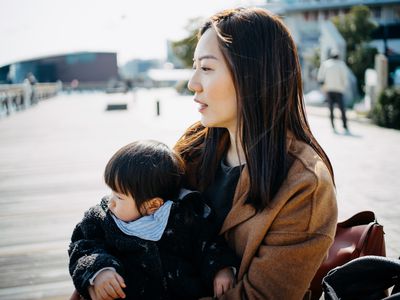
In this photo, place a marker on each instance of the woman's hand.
(223, 281)
(107, 286)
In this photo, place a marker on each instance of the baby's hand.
(223, 281)
(107, 286)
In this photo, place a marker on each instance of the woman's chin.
(209, 124)
(204, 123)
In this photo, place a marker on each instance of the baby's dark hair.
(145, 169)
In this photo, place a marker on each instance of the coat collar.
(241, 211)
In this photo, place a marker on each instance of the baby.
(150, 239)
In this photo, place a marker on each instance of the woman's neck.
(235, 154)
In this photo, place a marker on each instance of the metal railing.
(16, 97)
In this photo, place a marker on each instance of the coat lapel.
(240, 211)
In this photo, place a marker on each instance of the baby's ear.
(152, 205)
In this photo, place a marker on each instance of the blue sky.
(133, 29)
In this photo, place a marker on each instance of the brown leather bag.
(358, 236)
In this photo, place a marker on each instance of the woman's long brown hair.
(263, 61)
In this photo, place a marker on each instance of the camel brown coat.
(283, 246)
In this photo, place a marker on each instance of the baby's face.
(124, 207)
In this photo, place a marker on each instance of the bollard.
(158, 107)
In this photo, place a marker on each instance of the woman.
(254, 156)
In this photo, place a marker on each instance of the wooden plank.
(50, 291)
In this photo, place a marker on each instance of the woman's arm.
(210, 250)
(266, 278)
(216, 255)
(293, 247)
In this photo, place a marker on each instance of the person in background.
(333, 75)
(33, 81)
(145, 242)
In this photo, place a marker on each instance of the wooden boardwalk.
(51, 161)
(52, 157)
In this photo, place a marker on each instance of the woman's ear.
(152, 205)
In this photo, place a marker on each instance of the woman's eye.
(205, 69)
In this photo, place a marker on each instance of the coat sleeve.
(210, 250)
(293, 247)
(87, 251)
(215, 255)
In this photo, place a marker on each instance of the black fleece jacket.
(181, 265)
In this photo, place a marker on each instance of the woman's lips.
(202, 105)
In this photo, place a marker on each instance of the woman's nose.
(194, 85)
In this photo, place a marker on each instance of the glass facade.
(84, 67)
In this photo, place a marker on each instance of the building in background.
(87, 69)
(307, 20)
(135, 72)
(139, 67)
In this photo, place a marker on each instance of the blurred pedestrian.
(333, 75)
(33, 81)
(27, 98)
(9, 79)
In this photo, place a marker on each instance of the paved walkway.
(52, 157)
(367, 169)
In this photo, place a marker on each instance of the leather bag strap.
(362, 241)
(361, 218)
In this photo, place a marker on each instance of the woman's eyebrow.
(207, 56)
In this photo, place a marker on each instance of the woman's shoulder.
(309, 188)
(307, 164)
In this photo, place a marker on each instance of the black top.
(219, 194)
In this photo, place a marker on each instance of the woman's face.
(213, 85)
